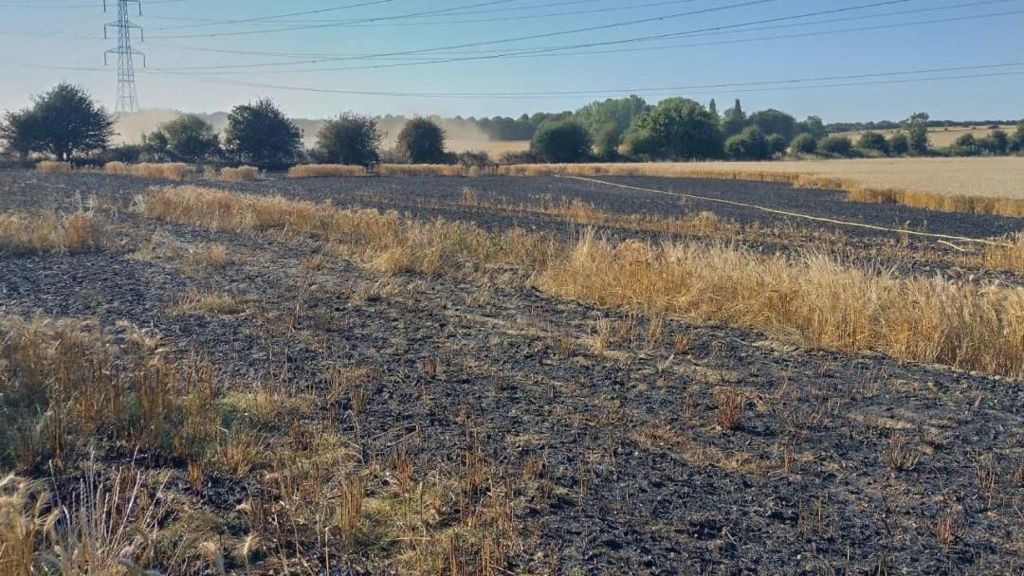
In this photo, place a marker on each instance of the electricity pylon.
(127, 95)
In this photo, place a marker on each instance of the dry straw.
(162, 171)
(50, 167)
(812, 299)
(240, 174)
(21, 233)
(325, 170)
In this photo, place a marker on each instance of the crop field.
(411, 374)
(942, 137)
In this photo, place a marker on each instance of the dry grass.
(382, 240)
(423, 170)
(51, 167)
(939, 137)
(26, 233)
(208, 302)
(325, 170)
(1008, 257)
(240, 174)
(972, 185)
(814, 300)
(163, 171)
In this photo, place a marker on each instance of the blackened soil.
(643, 479)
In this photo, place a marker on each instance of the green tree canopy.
(874, 142)
(773, 121)
(750, 144)
(262, 136)
(804, 144)
(561, 142)
(837, 146)
(64, 122)
(734, 120)
(677, 128)
(189, 138)
(899, 144)
(349, 139)
(422, 142)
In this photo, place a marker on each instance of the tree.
(608, 121)
(64, 122)
(873, 141)
(734, 120)
(561, 142)
(965, 145)
(899, 144)
(837, 146)
(804, 144)
(713, 108)
(421, 141)
(677, 128)
(750, 144)
(777, 144)
(813, 126)
(1016, 143)
(188, 138)
(996, 143)
(773, 121)
(262, 136)
(917, 134)
(349, 139)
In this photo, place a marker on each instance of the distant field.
(979, 177)
(942, 137)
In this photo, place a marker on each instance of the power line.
(532, 51)
(864, 79)
(277, 16)
(489, 42)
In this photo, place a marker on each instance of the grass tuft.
(325, 170)
(51, 167)
(28, 233)
(240, 174)
(163, 171)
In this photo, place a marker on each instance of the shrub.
(677, 128)
(965, 145)
(349, 140)
(561, 142)
(187, 138)
(873, 142)
(748, 145)
(996, 143)
(422, 141)
(476, 160)
(777, 144)
(840, 146)
(260, 135)
(804, 144)
(127, 153)
(1016, 142)
(65, 121)
(899, 144)
(525, 157)
(917, 136)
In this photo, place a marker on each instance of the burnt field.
(344, 391)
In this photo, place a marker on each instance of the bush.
(777, 144)
(677, 129)
(804, 144)
(187, 138)
(773, 121)
(561, 142)
(480, 160)
(1016, 142)
(261, 135)
(421, 141)
(873, 142)
(899, 144)
(996, 143)
(525, 157)
(127, 153)
(840, 146)
(349, 140)
(64, 122)
(965, 145)
(917, 139)
(748, 145)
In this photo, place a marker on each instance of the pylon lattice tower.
(127, 95)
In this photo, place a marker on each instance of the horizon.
(851, 61)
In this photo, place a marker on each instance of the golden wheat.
(47, 232)
(423, 170)
(325, 170)
(240, 174)
(50, 167)
(163, 171)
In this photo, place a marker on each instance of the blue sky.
(194, 61)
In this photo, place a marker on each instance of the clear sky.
(512, 56)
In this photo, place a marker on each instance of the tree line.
(66, 123)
